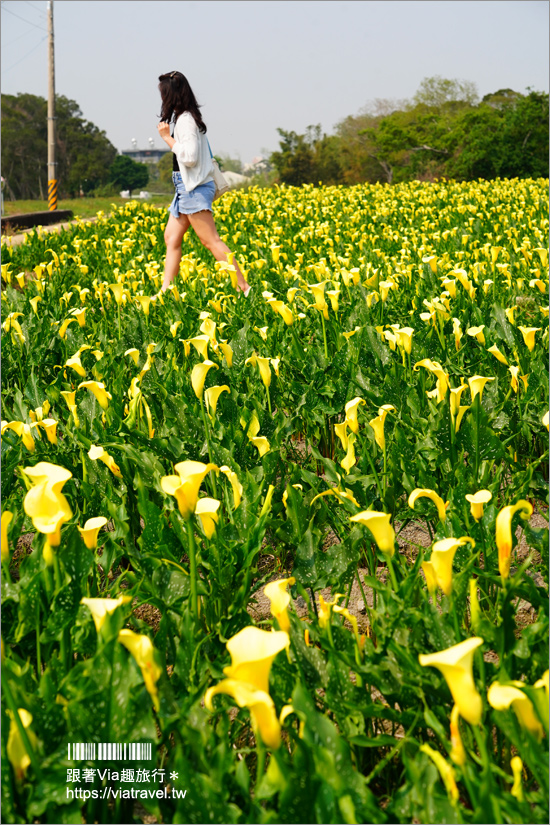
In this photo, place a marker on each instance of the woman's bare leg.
(173, 236)
(204, 226)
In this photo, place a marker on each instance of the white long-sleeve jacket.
(192, 152)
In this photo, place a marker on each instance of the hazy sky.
(258, 65)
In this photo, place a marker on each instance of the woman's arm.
(164, 132)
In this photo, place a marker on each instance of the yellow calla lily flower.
(442, 378)
(514, 373)
(455, 663)
(529, 336)
(263, 366)
(260, 704)
(494, 350)
(75, 364)
(134, 354)
(377, 425)
(252, 653)
(404, 338)
(325, 608)
(545, 419)
(445, 771)
(501, 697)
(262, 444)
(458, 754)
(318, 292)
(477, 333)
(80, 315)
(341, 432)
(49, 425)
(185, 486)
(503, 528)
(431, 494)
(144, 301)
(117, 290)
(459, 417)
(7, 517)
(15, 749)
(198, 376)
(478, 501)
(143, 652)
(477, 385)
(200, 342)
(380, 527)
(345, 494)
(236, 485)
(212, 395)
(279, 598)
(443, 553)
(34, 303)
(44, 503)
(351, 413)
(227, 352)
(455, 395)
(349, 460)
(100, 454)
(101, 608)
(431, 578)
(280, 308)
(517, 771)
(23, 431)
(98, 389)
(206, 510)
(91, 530)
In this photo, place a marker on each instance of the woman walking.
(192, 177)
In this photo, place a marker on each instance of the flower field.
(296, 542)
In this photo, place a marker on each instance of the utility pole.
(52, 176)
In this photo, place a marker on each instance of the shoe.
(246, 291)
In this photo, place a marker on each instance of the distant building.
(145, 155)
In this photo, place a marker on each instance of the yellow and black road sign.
(52, 195)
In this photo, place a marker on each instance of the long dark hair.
(177, 97)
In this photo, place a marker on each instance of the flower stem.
(192, 569)
(324, 335)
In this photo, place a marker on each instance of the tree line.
(87, 162)
(445, 131)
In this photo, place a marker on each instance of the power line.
(25, 56)
(35, 8)
(23, 19)
(5, 45)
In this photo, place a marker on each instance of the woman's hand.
(164, 131)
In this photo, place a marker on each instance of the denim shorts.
(187, 203)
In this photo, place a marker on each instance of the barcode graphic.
(110, 751)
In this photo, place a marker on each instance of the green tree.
(507, 141)
(436, 91)
(165, 167)
(83, 152)
(127, 174)
(310, 158)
